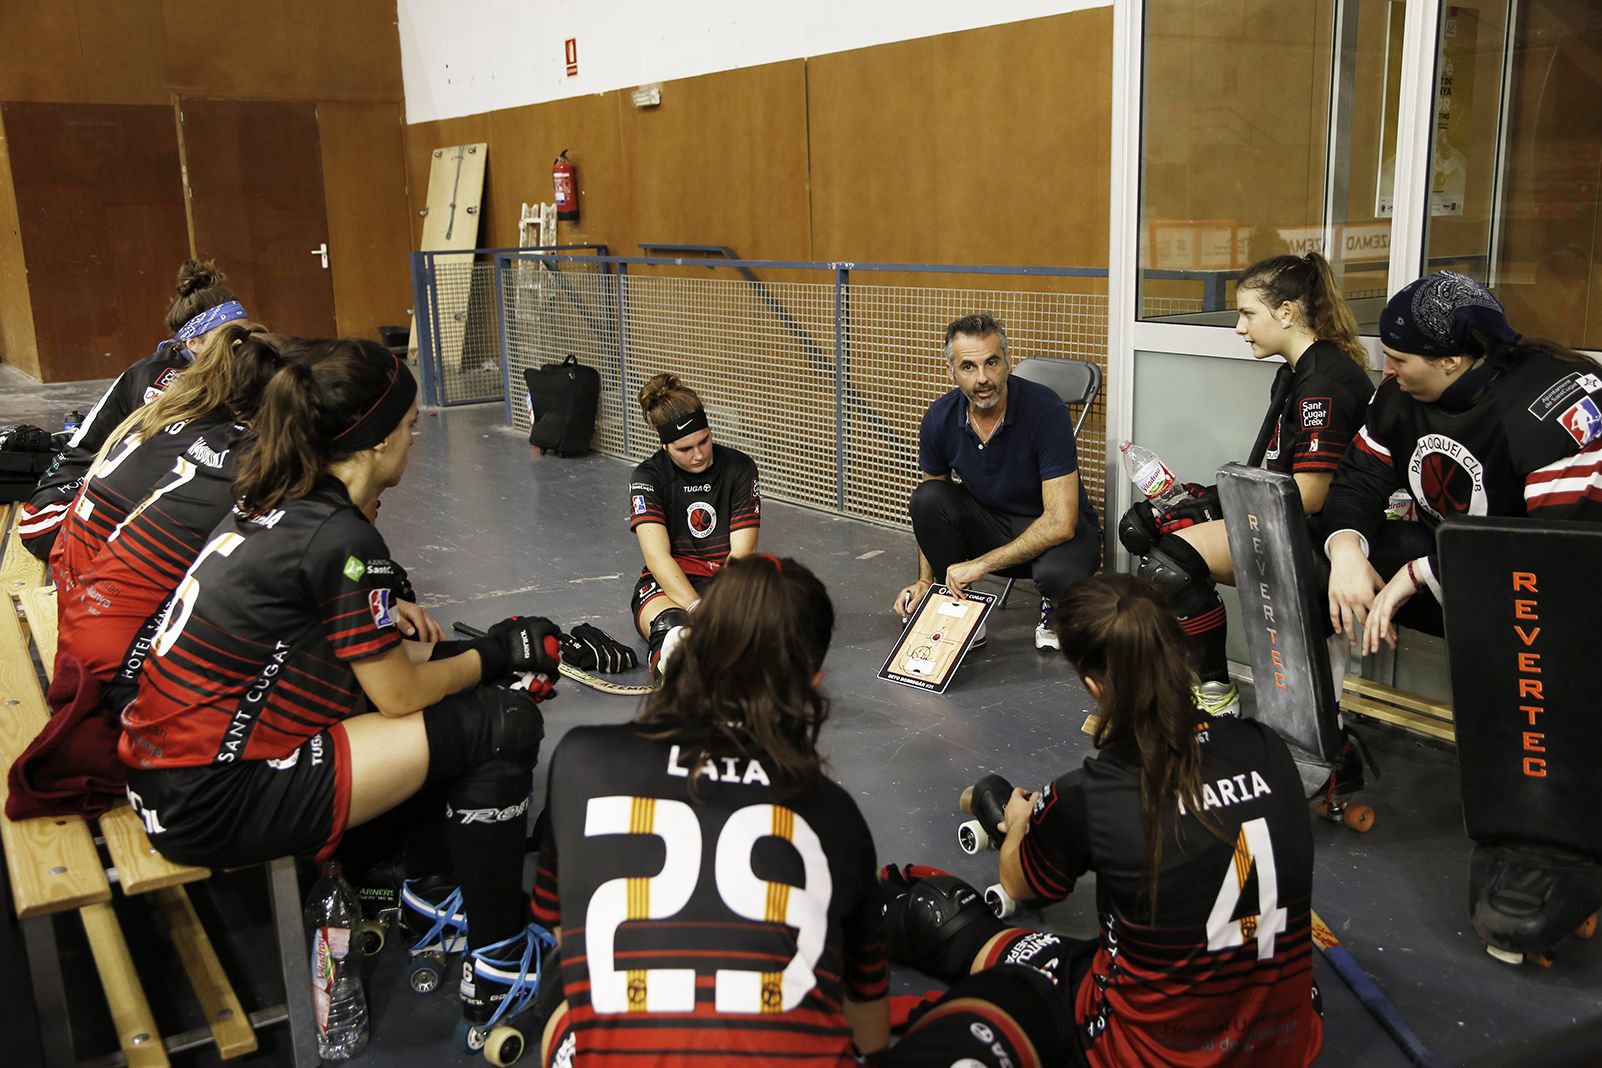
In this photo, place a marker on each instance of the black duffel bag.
(562, 399)
(25, 454)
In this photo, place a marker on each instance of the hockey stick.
(1376, 1003)
(578, 675)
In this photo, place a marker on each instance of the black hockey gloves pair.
(1143, 524)
(592, 649)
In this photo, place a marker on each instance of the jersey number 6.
(183, 599)
(656, 897)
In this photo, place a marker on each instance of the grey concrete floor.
(486, 528)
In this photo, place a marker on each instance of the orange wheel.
(1358, 817)
(1321, 810)
(1540, 960)
(1586, 929)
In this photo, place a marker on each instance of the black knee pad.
(479, 726)
(1180, 574)
(938, 924)
(665, 621)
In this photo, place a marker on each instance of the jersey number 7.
(1224, 930)
(660, 896)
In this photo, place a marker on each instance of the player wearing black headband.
(693, 505)
(279, 705)
(1472, 420)
(1290, 307)
(202, 306)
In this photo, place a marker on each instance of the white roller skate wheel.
(1506, 956)
(1000, 902)
(503, 1046)
(972, 838)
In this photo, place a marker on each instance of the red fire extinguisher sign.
(564, 179)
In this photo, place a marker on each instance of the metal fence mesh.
(467, 340)
(762, 356)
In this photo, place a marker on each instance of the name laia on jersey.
(1230, 791)
(710, 771)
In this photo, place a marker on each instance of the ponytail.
(1116, 631)
(1309, 283)
(283, 461)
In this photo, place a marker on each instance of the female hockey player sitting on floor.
(280, 706)
(756, 933)
(693, 505)
(1197, 832)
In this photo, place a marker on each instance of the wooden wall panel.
(101, 215)
(123, 50)
(367, 227)
(523, 143)
(987, 146)
(16, 313)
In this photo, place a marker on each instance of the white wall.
(462, 57)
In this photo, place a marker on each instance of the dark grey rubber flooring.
(487, 529)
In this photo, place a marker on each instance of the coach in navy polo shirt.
(1016, 507)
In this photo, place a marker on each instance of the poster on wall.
(1454, 109)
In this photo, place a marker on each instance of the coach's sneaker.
(1217, 698)
(1045, 631)
(980, 636)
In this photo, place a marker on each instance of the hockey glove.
(605, 653)
(577, 653)
(520, 644)
(1202, 507)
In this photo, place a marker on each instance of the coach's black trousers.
(951, 526)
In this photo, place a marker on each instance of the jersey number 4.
(1224, 929)
(660, 896)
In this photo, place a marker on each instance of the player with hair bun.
(1290, 307)
(202, 305)
(1472, 420)
(279, 705)
(693, 505)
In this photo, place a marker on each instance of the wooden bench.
(55, 867)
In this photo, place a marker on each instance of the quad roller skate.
(986, 802)
(1525, 899)
(1333, 800)
(499, 983)
(433, 914)
(378, 891)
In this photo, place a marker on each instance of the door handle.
(322, 250)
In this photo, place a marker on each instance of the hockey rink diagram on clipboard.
(932, 646)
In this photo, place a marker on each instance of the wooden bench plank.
(39, 609)
(52, 861)
(140, 868)
(19, 571)
(130, 1011)
(230, 1027)
(1378, 691)
(1399, 716)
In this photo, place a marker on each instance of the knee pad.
(479, 726)
(1180, 574)
(937, 925)
(665, 621)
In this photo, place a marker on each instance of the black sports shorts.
(250, 811)
(647, 589)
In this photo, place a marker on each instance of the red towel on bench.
(72, 768)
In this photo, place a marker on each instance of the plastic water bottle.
(338, 1004)
(1152, 477)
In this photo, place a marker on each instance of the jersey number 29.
(657, 897)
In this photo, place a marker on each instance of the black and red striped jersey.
(717, 927)
(699, 510)
(141, 383)
(252, 655)
(1529, 443)
(1223, 973)
(1324, 409)
(137, 524)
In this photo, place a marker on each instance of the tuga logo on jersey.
(1315, 413)
(378, 602)
(354, 569)
(703, 519)
(639, 504)
(1583, 421)
(1447, 479)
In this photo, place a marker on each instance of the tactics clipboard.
(932, 646)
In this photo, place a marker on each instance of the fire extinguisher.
(564, 177)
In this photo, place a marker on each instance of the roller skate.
(1332, 801)
(986, 802)
(378, 891)
(499, 983)
(1525, 899)
(433, 914)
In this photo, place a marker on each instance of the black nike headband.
(674, 429)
